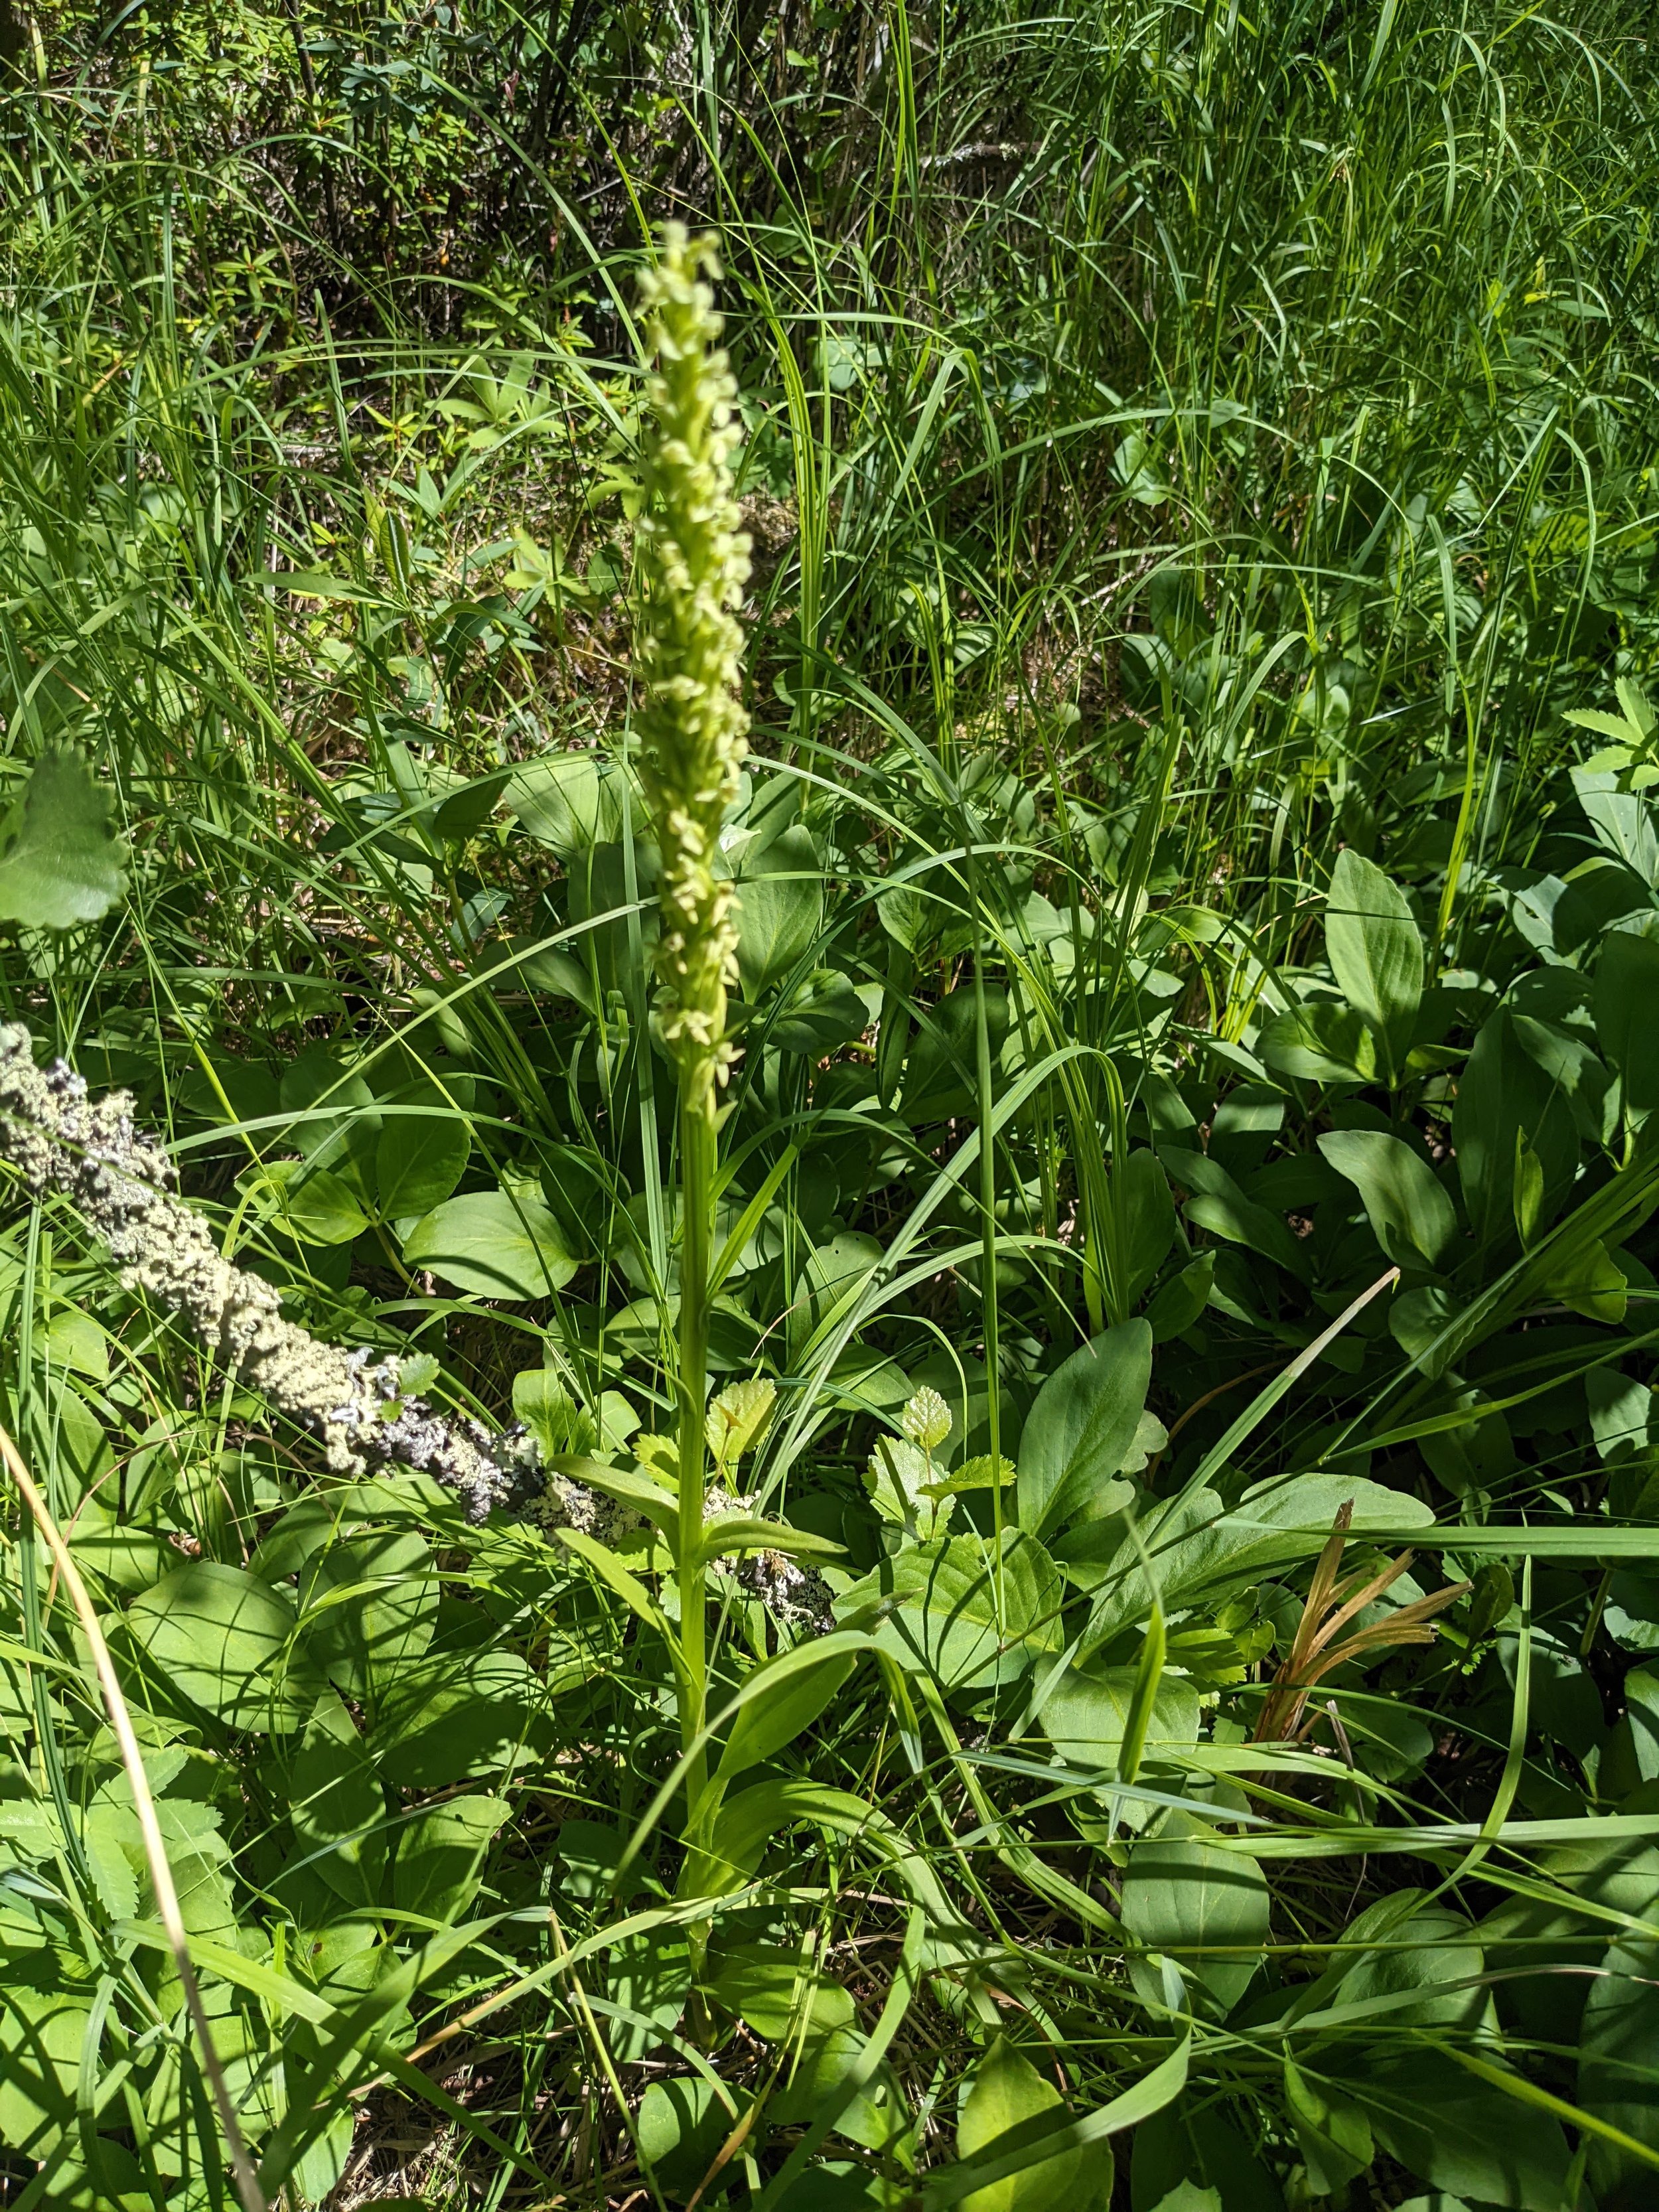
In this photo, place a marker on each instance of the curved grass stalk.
(149, 1826)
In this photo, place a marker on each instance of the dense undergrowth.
(1190, 1143)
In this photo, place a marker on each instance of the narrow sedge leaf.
(1148, 1675)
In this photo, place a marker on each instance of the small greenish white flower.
(694, 563)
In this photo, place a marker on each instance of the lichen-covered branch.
(89, 1152)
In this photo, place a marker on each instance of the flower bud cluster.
(694, 559)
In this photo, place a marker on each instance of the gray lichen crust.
(89, 1152)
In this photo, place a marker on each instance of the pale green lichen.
(90, 1152)
(694, 563)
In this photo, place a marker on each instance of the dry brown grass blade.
(1331, 1604)
(149, 1826)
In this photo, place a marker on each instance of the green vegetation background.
(1198, 858)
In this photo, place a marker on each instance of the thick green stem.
(697, 1214)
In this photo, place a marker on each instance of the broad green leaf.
(1568, 1059)
(1216, 1203)
(466, 810)
(1453, 2131)
(825, 1012)
(441, 1854)
(1308, 1503)
(833, 1276)
(74, 1339)
(130, 1555)
(1406, 1943)
(218, 1636)
(1623, 826)
(419, 1160)
(1375, 952)
(337, 1123)
(769, 1987)
(569, 801)
(785, 1695)
(1626, 995)
(337, 1806)
(1197, 1549)
(1007, 2090)
(650, 1976)
(940, 1076)
(615, 917)
(1332, 2133)
(560, 1426)
(1618, 2067)
(1134, 1240)
(1200, 1905)
(951, 1605)
(1319, 1041)
(41, 2033)
(780, 911)
(1591, 1281)
(1133, 2107)
(1503, 1096)
(1413, 1219)
(368, 1606)
(682, 2125)
(1085, 1713)
(61, 861)
(1182, 1300)
(450, 1714)
(322, 1208)
(1082, 1427)
(495, 1243)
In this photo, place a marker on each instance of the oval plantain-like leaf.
(780, 912)
(1082, 1425)
(369, 1605)
(217, 1635)
(1007, 2090)
(1207, 1907)
(495, 1243)
(1376, 951)
(441, 1854)
(1319, 1041)
(1616, 2073)
(1414, 1220)
(420, 1158)
(569, 801)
